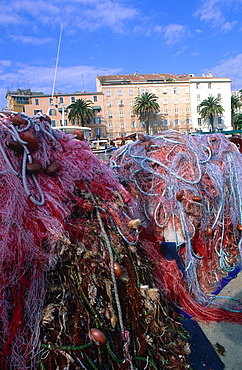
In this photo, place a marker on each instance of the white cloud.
(32, 40)
(73, 15)
(173, 33)
(231, 68)
(68, 80)
(215, 12)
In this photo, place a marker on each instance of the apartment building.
(178, 97)
(55, 107)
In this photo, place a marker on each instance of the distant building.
(30, 103)
(178, 98)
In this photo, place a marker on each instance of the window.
(165, 101)
(109, 103)
(143, 124)
(53, 123)
(120, 103)
(175, 90)
(131, 92)
(111, 136)
(198, 97)
(132, 113)
(198, 109)
(187, 100)
(120, 92)
(209, 85)
(164, 91)
(165, 111)
(210, 95)
(121, 113)
(122, 134)
(51, 100)
(142, 91)
(165, 122)
(176, 111)
(187, 121)
(219, 96)
(36, 101)
(199, 121)
(121, 124)
(108, 93)
(97, 132)
(131, 103)
(61, 100)
(73, 99)
(37, 111)
(175, 101)
(187, 110)
(198, 85)
(176, 122)
(134, 124)
(21, 100)
(219, 120)
(110, 125)
(95, 98)
(110, 114)
(97, 120)
(155, 123)
(52, 112)
(65, 122)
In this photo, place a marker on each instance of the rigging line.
(57, 60)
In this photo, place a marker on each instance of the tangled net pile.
(76, 288)
(189, 191)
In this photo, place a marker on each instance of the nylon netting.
(76, 288)
(189, 192)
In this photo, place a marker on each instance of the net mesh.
(188, 189)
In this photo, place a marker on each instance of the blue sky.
(116, 36)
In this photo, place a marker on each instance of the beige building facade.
(178, 97)
(30, 103)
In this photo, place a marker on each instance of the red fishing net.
(76, 288)
(189, 192)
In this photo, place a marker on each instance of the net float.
(18, 120)
(180, 195)
(15, 146)
(97, 336)
(117, 269)
(209, 231)
(31, 139)
(33, 168)
(52, 168)
(79, 134)
(239, 227)
(197, 198)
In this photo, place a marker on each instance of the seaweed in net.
(67, 229)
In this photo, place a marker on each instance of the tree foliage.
(235, 104)
(210, 108)
(80, 111)
(145, 106)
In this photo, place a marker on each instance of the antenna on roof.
(56, 65)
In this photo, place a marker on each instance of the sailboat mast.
(56, 65)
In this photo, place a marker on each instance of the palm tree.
(80, 111)
(235, 104)
(238, 120)
(210, 108)
(144, 106)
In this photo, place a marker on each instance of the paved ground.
(227, 335)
